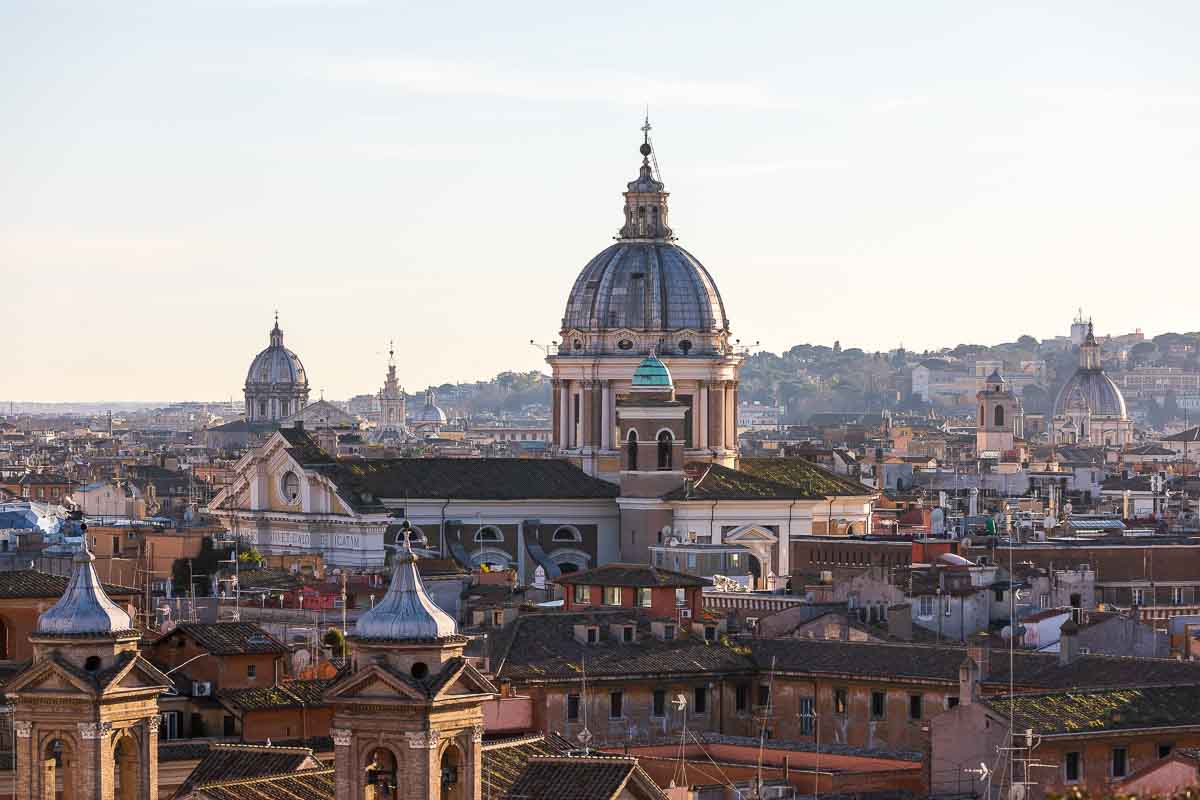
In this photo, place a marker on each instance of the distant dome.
(1089, 385)
(84, 608)
(645, 285)
(406, 612)
(1095, 390)
(277, 366)
(652, 374)
(431, 412)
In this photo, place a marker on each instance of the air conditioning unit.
(685, 613)
(201, 689)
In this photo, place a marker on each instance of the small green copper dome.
(652, 374)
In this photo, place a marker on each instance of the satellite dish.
(680, 702)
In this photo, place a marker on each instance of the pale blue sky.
(925, 172)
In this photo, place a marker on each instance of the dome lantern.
(646, 200)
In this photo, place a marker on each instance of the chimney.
(1068, 645)
(899, 621)
(980, 652)
(968, 681)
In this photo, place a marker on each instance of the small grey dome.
(645, 285)
(406, 612)
(1097, 391)
(277, 366)
(431, 411)
(84, 607)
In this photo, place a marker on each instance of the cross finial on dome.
(645, 148)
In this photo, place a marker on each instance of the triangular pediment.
(465, 680)
(49, 676)
(374, 683)
(751, 533)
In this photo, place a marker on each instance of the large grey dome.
(1098, 391)
(84, 608)
(431, 412)
(645, 285)
(277, 366)
(406, 612)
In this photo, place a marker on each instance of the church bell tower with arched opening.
(86, 710)
(408, 718)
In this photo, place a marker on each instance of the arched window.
(381, 773)
(665, 440)
(566, 534)
(452, 788)
(999, 416)
(283, 408)
(633, 449)
(489, 533)
(982, 421)
(262, 408)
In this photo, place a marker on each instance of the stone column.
(150, 757)
(344, 758)
(556, 414)
(702, 393)
(716, 415)
(731, 415)
(564, 426)
(587, 415)
(25, 751)
(606, 416)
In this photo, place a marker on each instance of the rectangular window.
(764, 695)
(839, 702)
(251, 670)
(612, 595)
(627, 634)
(806, 716)
(925, 606)
(680, 597)
(1044, 600)
(710, 633)
(951, 702)
(572, 707)
(1164, 749)
(593, 635)
(583, 594)
(741, 697)
(701, 704)
(169, 728)
(643, 596)
(616, 705)
(1139, 596)
(668, 632)
(878, 705)
(660, 703)
(1177, 595)
(914, 706)
(228, 725)
(1120, 762)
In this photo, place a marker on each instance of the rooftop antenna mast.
(584, 736)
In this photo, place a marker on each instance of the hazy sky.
(924, 172)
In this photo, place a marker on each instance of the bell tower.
(408, 717)
(1000, 417)
(86, 709)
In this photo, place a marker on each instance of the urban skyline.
(373, 184)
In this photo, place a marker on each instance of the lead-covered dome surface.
(277, 365)
(645, 285)
(84, 608)
(406, 612)
(1097, 391)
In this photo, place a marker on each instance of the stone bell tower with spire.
(391, 404)
(86, 709)
(408, 716)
